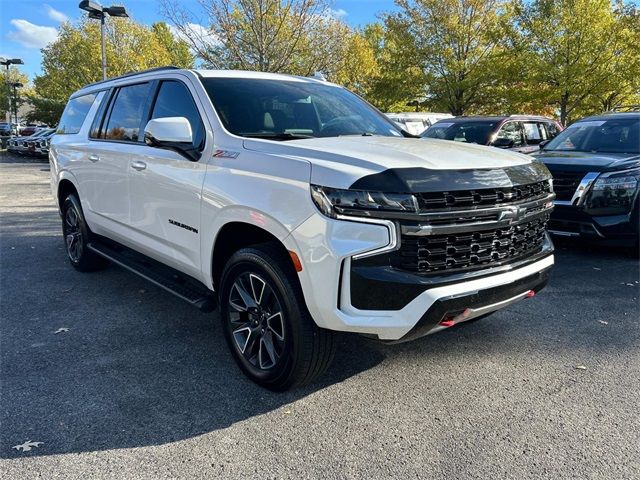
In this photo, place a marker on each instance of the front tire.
(268, 328)
(77, 235)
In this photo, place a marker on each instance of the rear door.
(116, 132)
(166, 186)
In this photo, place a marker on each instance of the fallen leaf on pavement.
(580, 367)
(27, 446)
(603, 322)
(61, 330)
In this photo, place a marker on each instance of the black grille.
(565, 184)
(432, 253)
(482, 197)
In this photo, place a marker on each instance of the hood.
(405, 164)
(587, 161)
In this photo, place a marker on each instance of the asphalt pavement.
(118, 379)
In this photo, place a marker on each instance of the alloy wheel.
(256, 320)
(73, 234)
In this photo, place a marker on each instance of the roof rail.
(624, 108)
(131, 74)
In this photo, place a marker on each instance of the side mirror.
(543, 144)
(502, 143)
(167, 130)
(172, 133)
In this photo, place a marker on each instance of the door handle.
(138, 165)
(94, 158)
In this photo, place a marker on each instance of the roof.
(609, 116)
(490, 118)
(103, 84)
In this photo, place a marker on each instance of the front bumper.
(406, 305)
(571, 221)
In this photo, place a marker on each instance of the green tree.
(74, 59)
(6, 92)
(580, 54)
(400, 80)
(456, 44)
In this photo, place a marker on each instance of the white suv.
(296, 207)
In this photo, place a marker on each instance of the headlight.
(333, 202)
(612, 195)
(615, 183)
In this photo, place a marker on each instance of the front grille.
(482, 197)
(460, 251)
(565, 184)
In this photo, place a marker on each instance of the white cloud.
(32, 36)
(55, 15)
(197, 32)
(338, 13)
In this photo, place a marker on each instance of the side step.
(181, 285)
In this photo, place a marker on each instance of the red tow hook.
(451, 321)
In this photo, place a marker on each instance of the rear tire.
(77, 236)
(268, 328)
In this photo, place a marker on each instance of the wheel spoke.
(257, 287)
(276, 326)
(267, 348)
(241, 336)
(243, 296)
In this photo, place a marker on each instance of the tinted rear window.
(74, 114)
(462, 131)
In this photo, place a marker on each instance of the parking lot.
(142, 386)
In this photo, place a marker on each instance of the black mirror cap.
(543, 144)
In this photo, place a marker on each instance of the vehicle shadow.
(138, 367)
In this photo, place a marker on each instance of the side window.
(175, 100)
(74, 114)
(552, 129)
(534, 132)
(512, 131)
(126, 113)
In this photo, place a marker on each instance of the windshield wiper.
(276, 135)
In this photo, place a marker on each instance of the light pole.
(99, 12)
(15, 86)
(7, 62)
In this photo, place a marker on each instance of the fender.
(236, 214)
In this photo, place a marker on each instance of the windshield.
(618, 135)
(289, 110)
(468, 132)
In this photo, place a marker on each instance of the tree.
(287, 36)
(456, 44)
(400, 79)
(44, 110)
(579, 53)
(6, 92)
(74, 59)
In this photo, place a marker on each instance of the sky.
(28, 25)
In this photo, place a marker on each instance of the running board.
(181, 285)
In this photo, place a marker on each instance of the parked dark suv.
(521, 133)
(595, 165)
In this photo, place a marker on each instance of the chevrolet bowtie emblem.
(509, 213)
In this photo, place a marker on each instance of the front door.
(165, 187)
